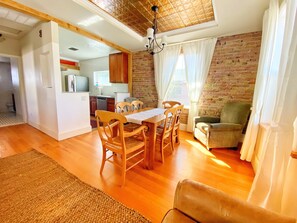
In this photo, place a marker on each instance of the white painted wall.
(10, 47)
(87, 68)
(58, 114)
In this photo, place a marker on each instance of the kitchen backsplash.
(109, 90)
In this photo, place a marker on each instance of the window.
(101, 78)
(178, 89)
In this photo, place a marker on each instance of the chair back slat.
(136, 105)
(170, 104)
(123, 106)
(169, 121)
(112, 127)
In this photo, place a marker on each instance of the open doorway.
(11, 111)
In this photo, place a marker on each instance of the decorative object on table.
(114, 140)
(223, 131)
(34, 188)
(152, 45)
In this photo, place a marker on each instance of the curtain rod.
(189, 41)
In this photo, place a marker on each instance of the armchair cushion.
(235, 112)
(207, 119)
(225, 127)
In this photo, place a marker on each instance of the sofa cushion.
(175, 215)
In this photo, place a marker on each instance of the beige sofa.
(195, 202)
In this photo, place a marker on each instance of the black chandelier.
(152, 46)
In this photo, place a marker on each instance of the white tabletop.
(140, 116)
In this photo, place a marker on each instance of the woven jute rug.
(34, 188)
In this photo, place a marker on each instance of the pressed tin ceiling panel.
(172, 14)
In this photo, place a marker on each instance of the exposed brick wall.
(143, 86)
(231, 76)
(232, 72)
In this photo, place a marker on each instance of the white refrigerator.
(76, 83)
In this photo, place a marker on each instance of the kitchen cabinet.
(110, 104)
(93, 105)
(118, 68)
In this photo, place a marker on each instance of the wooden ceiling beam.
(45, 17)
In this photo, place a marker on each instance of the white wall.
(48, 108)
(10, 47)
(87, 68)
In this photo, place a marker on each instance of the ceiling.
(124, 22)
(171, 14)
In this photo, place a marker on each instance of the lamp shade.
(150, 33)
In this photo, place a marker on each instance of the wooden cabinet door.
(110, 104)
(93, 105)
(113, 68)
(118, 68)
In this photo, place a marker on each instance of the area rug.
(34, 188)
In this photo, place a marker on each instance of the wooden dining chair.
(164, 133)
(169, 104)
(175, 130)
(122, 107)
(136, 105)
(115, 141)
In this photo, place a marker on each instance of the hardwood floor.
(150, 192)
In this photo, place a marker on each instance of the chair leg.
(162, 151)
(124, 163)
(177, 137)
(103, 160)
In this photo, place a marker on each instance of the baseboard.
(44, 129)
(63, 135)
(69, 134)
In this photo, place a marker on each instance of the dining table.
(150, 117)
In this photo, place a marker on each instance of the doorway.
(11, 109)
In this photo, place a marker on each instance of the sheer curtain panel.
(198, 56)
(274, 185)
(164, 64)
(263, 75)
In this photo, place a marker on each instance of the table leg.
(150, 152)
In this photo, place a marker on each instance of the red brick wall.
(232, 72)
(143, 86)
(231, 76)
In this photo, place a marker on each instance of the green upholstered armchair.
(223, 131)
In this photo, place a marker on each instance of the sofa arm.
(206, 119)
(205, 204)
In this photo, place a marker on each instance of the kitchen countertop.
(102, 96)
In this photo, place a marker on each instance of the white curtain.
(274, 170)
(264, 74)
(289, 201)
(164, 64)
(198, 56)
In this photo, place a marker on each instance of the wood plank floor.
(150, 192)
